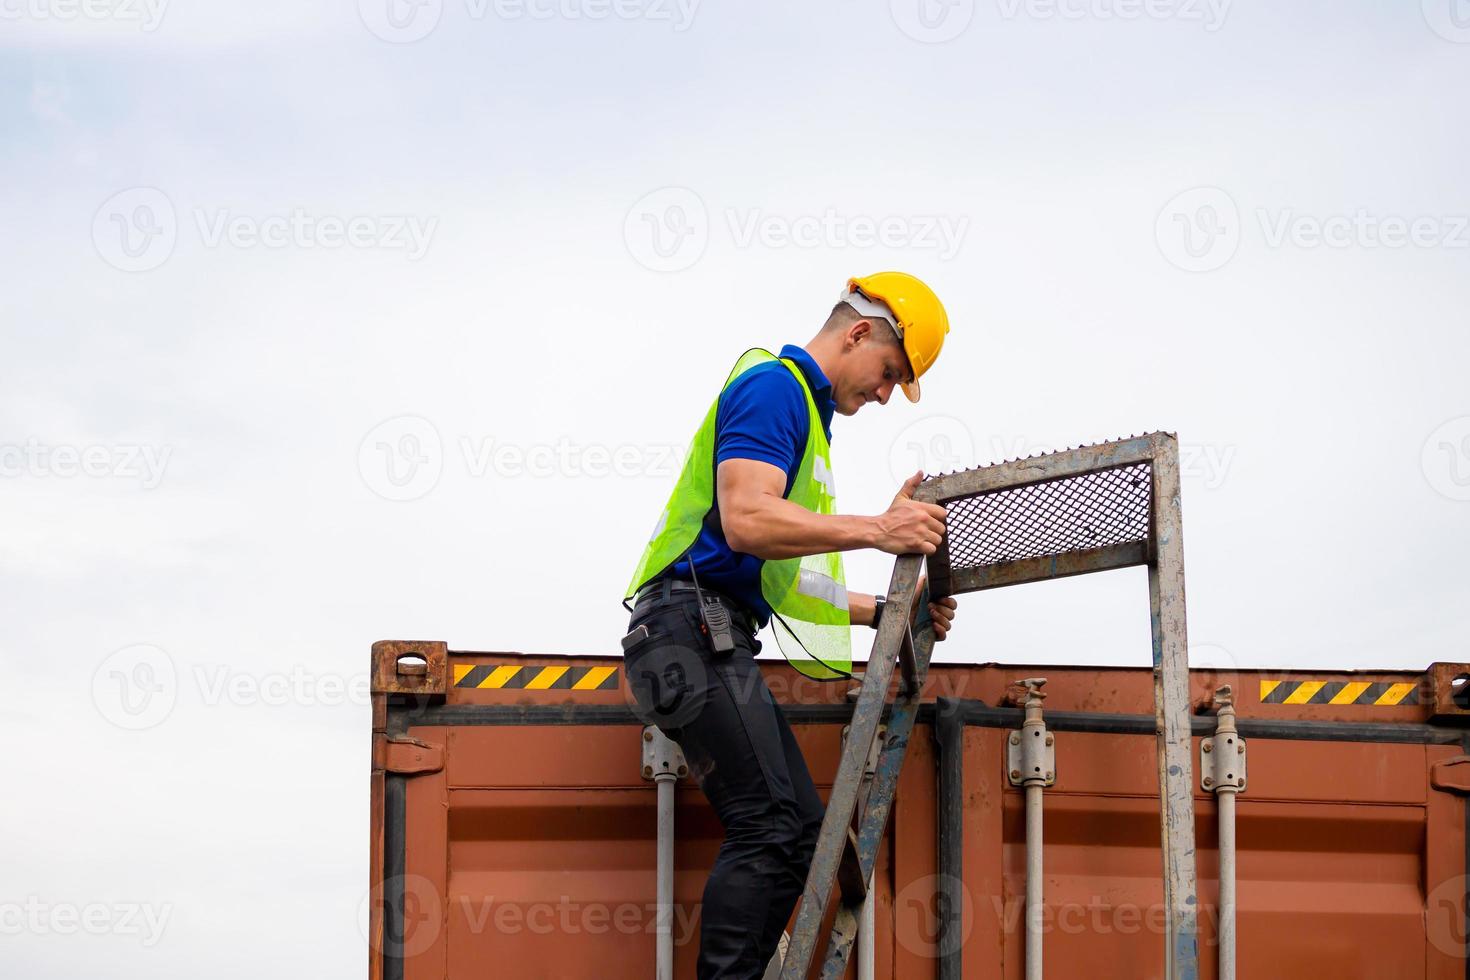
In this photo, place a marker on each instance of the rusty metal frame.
(1163, 553)
(1157, 543)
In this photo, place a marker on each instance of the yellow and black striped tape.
(1338, 692)
(512, 676)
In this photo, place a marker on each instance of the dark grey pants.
(741, 751)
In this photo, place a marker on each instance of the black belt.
(663, 588)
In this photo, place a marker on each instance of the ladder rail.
(1172, 718)
(875, 816)
(842, 803)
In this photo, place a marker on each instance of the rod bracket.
(1222, 757)
(1031, 753)
(662, 758)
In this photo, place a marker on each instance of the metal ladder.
(1090, 509)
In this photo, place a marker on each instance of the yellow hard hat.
(914, 311)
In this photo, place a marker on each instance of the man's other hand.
(942, 612)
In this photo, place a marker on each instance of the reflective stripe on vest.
(822, 473)
(824, 587)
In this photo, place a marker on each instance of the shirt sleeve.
(763, 417)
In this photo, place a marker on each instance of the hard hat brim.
(911, 390)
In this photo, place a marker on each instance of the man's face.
(870, 369)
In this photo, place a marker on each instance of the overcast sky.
(328, 323)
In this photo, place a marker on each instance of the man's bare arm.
(759, 521)
(860, 607)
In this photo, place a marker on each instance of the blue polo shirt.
(762, 415)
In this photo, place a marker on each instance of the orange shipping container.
(514, 830)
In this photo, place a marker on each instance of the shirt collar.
(817, 382)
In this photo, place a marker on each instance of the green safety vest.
(808, 595)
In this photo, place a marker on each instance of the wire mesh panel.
(1077, 513)
(1047, 516)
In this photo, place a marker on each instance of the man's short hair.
(843, 315)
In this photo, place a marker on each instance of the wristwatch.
(879, 602)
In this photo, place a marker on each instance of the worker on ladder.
(749, 536)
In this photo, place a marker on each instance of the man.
(751, 536)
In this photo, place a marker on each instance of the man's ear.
(858, 332)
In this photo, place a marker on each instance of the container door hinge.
(1451, 775)
(411, 757)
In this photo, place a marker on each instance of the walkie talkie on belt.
(717, 625)
(714, 619)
